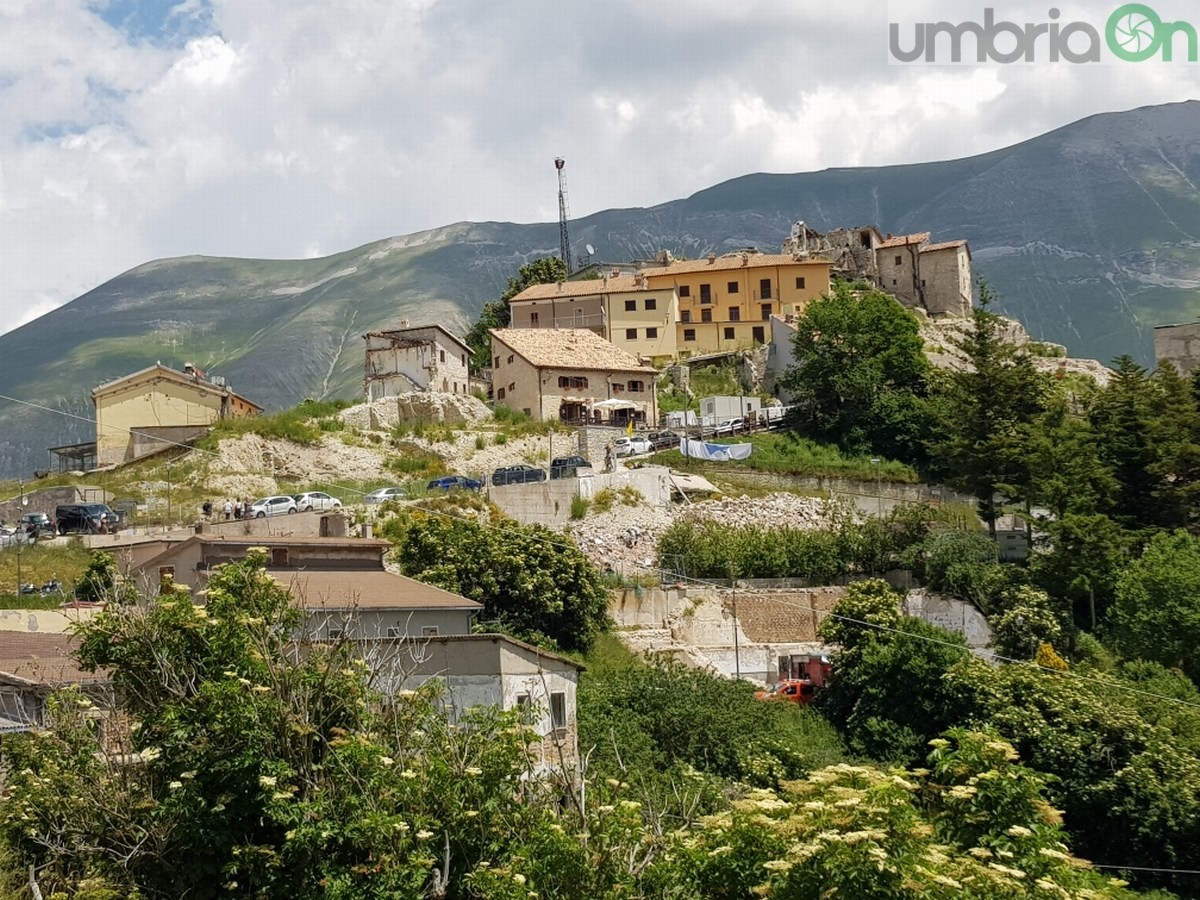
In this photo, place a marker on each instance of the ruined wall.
(946, 276)
(1179, 345)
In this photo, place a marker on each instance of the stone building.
(424, 358)
(571, 374)
(1178, 345)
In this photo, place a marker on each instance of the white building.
(425, 358)
(722, 409)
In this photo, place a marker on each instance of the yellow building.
(726, 302)
(157, 408)
(622, 309)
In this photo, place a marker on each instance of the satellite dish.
(590, 249)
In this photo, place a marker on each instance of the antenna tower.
(564, 238)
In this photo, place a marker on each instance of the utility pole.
(737, 655)
(875, 461)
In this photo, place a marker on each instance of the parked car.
(86, 518)
(454, 483)
(316, 500)
(731, 426)
(663, 440)
(38, 524)
(632, 446)
(383, 494)
(10, 536)
(569, 466)
(518, 474)
(279, 505)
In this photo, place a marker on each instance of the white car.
(280, 505)
(631, 446)
(382, 495)
(316, 500)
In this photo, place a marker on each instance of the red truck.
(801, 675)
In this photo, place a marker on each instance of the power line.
(657, 570)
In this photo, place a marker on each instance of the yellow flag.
(629, 428)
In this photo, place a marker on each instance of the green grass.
(38, 564)
(787, 454)
(415, 460)
(303, 424)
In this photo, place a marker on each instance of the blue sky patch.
(161, 22)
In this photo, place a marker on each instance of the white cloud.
(302, 127)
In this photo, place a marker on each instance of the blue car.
(455, 483)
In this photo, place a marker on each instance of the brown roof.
(365, 589)
(731, 261)
(530, 649)
(944, 245)
(901, 240)
(158, 370)
(408, 329)
(569, 348)
(622, 284)
(42, 659)
(252, 540)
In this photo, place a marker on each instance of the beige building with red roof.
(622, 309)
(572, 375)
(726, 302)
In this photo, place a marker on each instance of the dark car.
(454, 483)
(568, 466)
(518, 474)
(86, 518)
(663, 440)
(38, 525)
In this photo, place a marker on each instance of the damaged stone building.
(932, 277)
(424, 358)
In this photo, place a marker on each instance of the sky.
(133, 130)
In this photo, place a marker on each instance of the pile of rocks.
(773, 511)
(417, 406)
(624, 539)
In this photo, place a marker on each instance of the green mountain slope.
(1090, 234)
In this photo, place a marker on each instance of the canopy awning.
(614, 404)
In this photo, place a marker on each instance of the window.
(800, 282)
(577, 382)
(637, 387)
(686, 315)
(631, 334)
(706, 293)
(652, 333)
(706, 315)
(510, 359)
(689, 334)
(335, 634)
(429, 631)
(441, 356)
(651, 303)
(758, 334)
(513, 385)
(766, 311)
(533, 320)
(685, 290)
(394, 631)
(618, 388)
(731, 288)
(279, 556)
(865, 238)
(558, 710)
(899, 260)
(729, 333)
(500, 394)
(893, 282)
(922, 282)
(464, 359)
(735, 314)
(496, 363)
(527, 411)
(524, 708)
(764, 288)
(630, 306)
(165, 572)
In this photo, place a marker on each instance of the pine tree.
(1122, 418)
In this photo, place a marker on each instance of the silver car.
(382, 495)
(316, 500)
(280, 505)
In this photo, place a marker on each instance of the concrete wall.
(561, 312)
(549, 502)
(644, 608)
(953, 615)
(389, 623)
(779, 356)
(44, 621)
(1179, 345)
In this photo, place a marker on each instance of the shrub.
(579, 507)
(604, 499)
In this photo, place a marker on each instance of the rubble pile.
(773, 511)
(417, 406)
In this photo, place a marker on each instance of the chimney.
(745, 259)
(615, 272)
(712, 258)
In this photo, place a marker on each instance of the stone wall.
(953, 615)
(1178, 344)
(549, 502)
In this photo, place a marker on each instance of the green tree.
(859, 373)
(1065, 472)
(1175, 432)
(531, 581)
(1027, 621)
(101, 582)
(1123, 418)
(546, 270)
(1081, 563)
(988, 409)
(1156, 615)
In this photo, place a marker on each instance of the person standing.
(228, 510)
